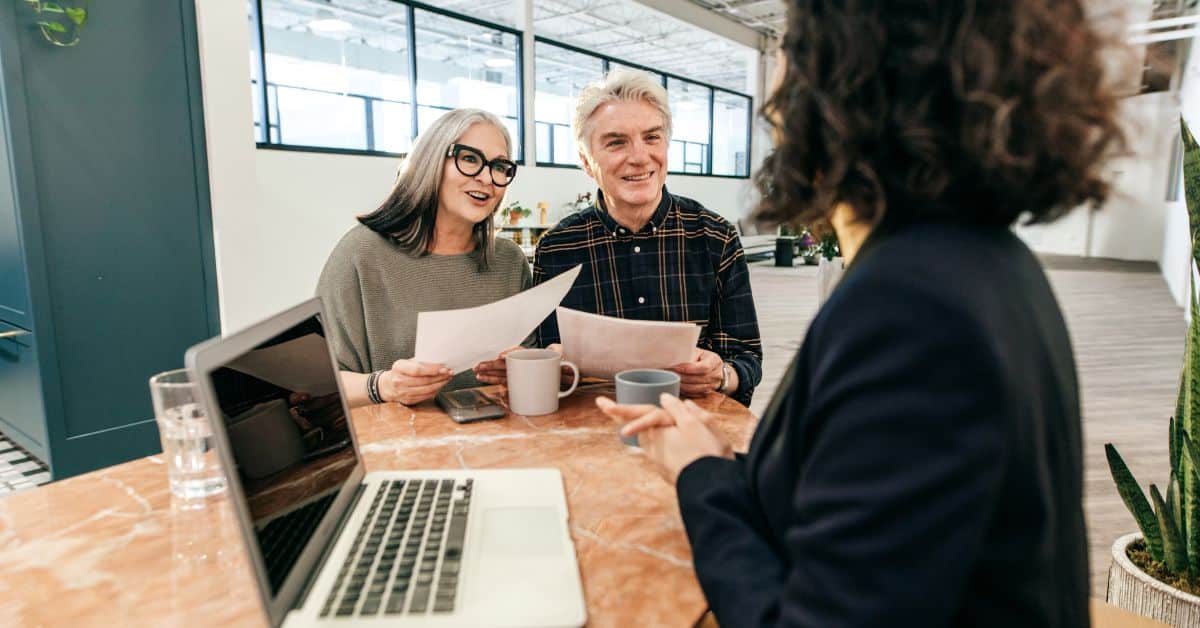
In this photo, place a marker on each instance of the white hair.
(618, 85)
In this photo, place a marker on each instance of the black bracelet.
(373, 387)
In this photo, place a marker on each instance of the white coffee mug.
(533, 378)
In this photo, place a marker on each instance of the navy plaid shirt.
(686, 264)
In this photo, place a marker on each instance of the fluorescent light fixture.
(1171, 22)
(1151, 38)
(498, 62)
(326, 22)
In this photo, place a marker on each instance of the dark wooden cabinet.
(106, 254)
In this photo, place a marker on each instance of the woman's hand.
(410, 382)
(673, 436)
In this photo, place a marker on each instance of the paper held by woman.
(602, 346)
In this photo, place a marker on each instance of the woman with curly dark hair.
(921, 463)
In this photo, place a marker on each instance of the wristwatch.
(725, 377)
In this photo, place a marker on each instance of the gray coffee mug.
(644, 386)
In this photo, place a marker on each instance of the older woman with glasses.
(429, 246)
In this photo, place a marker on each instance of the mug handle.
(574, 384)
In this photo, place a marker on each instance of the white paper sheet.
(460, 339)
(602, 346)
(300, 365)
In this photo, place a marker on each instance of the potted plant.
(1156, 573)
(514, 212)
(808, 248)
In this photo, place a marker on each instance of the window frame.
(262, 130)
(608, 60)
(259, 48)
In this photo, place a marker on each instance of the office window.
(612, 65)
(560, 74)
(462, 64)
(337, 77)
(691, 126)
(731, 134)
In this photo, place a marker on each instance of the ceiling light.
(326, 22)
(499, 62)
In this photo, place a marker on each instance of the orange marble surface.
(111, 549)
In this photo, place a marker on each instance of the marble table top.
(111, 547)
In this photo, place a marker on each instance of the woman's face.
(467, 199)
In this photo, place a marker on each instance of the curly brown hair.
(974, 111)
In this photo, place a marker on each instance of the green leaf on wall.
(53, 26)
(78, 16)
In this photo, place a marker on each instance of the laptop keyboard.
(407, 555)
(283, 539)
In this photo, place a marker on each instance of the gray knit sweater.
(373, 291)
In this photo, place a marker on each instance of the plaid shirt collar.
(656, 221)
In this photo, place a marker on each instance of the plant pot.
(784, 251)
(829, 273)
(514, 219)
(1131, 589)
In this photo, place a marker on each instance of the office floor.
(1128, 339)
(18, 469)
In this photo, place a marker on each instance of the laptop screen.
(289, 438)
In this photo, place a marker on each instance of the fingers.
(692, 368)
(656, 419)
(623, 412)
(412, 368)
(417, 394)
(555, 347)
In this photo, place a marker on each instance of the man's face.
(628, 144)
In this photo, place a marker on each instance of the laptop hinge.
(302, 599)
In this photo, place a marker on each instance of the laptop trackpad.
(522, 532)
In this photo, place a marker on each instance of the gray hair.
(618, 85)
(408, 215)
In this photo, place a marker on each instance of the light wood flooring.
(1128, 337)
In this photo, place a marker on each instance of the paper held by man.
(603, 346)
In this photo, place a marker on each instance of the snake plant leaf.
(1175, 441)
(1191, 462)
(1135, 501)
(1191, 185)
(1174, 554)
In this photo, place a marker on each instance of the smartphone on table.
(467, 405)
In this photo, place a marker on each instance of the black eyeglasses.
(470, 161)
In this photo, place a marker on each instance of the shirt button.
(641, 299)
(637, 249)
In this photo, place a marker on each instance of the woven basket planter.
(1131, 589)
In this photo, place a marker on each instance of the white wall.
(1176, 252)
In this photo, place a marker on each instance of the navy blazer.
(921, 463)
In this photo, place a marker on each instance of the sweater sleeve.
(341, 291)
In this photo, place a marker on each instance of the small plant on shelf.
(514, 212)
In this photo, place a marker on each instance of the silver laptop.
(333, 545)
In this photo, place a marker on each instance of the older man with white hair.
(648, 254)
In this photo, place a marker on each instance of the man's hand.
(700, 376)
(494, 371)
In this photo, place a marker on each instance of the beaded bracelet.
(373, 387)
